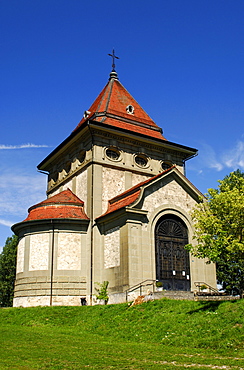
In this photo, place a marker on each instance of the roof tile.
(63, 205)
(110, 109)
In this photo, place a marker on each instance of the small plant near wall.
(102, 291)
(159, 284)
(203, 287)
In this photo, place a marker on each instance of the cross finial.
(113, 57)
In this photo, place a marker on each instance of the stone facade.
(110, 184)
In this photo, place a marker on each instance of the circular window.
(113, 154)
(166, 165)
(130, 109)
(141, 160)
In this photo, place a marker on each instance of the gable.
(168, 187)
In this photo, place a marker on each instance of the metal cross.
(113, 57)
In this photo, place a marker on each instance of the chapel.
(117, 209)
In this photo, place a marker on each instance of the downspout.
(91, 217)
(52, 259)
(184, 162)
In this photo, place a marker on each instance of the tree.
(219, 230)
(8, 271)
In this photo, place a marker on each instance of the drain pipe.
(52, 259)
(91, 217)
(187, 159)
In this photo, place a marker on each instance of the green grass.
(163, 334)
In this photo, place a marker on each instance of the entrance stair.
(203, 292)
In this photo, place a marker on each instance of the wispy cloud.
(231, 158)
(22, 146)
(19, 192)
(234, 158)
(210, 158)
(5, 223)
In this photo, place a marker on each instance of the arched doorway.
(172, 260)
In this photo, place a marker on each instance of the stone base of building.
(34, 301)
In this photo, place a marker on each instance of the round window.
(141, 160)
(113, 154)
(130, 109)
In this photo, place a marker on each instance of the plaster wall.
(113, 183)
(39, 252)
(167, 192)
(112, 248)
(69, 251)
(20, 256)
(137, 178)
(81, 187)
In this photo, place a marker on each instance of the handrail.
(140, 285)
(199, 284)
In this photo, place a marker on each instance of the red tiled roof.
(110, 109)
(129, 196)
(63, 205)
(65, 197)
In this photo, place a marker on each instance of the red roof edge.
(129, 196)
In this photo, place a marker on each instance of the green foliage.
(219, 230)
(164, 334)
(102, 291)
(7, 271)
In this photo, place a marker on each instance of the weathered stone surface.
(136, 178)
(112, 248)
(39, 252)
(81, 187)
(69, 251)
(113, 183)
(20, 256)
(169, 193)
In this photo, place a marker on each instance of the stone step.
(174, 294)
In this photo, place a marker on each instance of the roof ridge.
(111, 83)
(52, 201)
(136, 102)
(116, 103)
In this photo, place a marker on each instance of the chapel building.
(117, 209)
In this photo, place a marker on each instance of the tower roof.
(63, 205)
(114, 106)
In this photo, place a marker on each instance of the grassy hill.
(164, 334)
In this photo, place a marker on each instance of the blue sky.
(182, 60)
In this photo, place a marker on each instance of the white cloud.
(209, 158)
(5, 223)
(19, 192)
(234, 158)
(218, 166)
(231, 159)
(22, 146)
